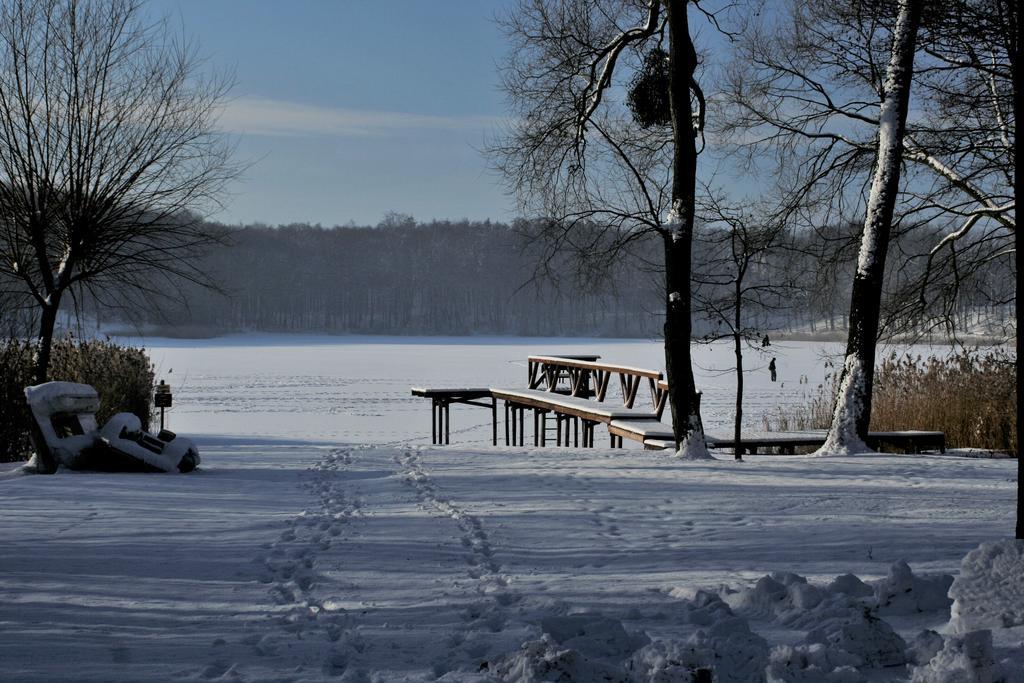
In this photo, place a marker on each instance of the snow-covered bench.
(786, 443)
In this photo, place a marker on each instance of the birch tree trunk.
(685, 403)
(852, 413)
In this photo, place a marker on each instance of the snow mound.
(923, 647)
(593, 635)
(813, 663)
(989, 592)
(966, 658)
(706, 608)
(666, 661)
(694, 447)
(901, 592)
(543, 660)
(728, 647)
(851, 585)
(863, 635)
(788, 599)
(771, 596)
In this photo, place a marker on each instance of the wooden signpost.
(162, 399)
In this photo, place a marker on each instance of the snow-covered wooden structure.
(567, 396)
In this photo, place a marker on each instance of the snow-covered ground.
(323, 539)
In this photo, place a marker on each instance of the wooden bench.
(786, 443)
(911, 441)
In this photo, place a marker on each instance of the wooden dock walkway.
(572, 390)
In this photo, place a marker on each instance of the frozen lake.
(356, 389)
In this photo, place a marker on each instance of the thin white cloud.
(263, 116)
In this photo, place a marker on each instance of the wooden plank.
(568, 405)
(427, 392)
(641, 430)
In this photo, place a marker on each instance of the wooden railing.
(590, 379)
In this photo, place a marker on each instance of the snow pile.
(813, 663)
(545, 660)
(846, 636)
(694, 446)
(841, 623)
(728, 647)
(851, 585)
(666, 661)
(862, 635)
(989, 592)
(967, 657)
(576, 647)
(901, 592)
(923, 647)
(788, 599)
(776, 597)
(593, 635)
(588, 647)
(706, 608)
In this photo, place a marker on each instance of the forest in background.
(462, 278)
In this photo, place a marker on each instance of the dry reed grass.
(971, 396)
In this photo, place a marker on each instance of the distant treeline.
(456, 278)
(437, 278)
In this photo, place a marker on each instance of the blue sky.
(348, 109)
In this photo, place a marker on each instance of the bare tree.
(965, 83)
(815, 89)
(108, 147)
(577, 157)
(739, 283)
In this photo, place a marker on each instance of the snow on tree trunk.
(852, 412)
(683, 398)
